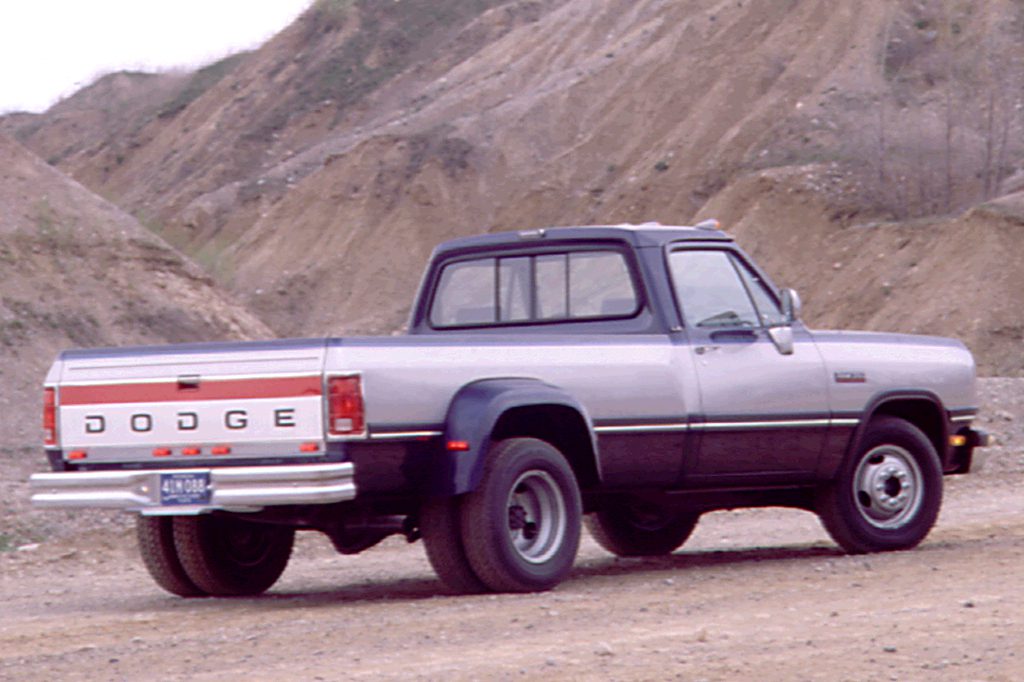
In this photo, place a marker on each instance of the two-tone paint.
(649, 402)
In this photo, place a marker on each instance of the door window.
(710, 291)
(767, 308)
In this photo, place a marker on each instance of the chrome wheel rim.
(537, 518)
(888, 487)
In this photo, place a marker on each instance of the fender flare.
(472, 415)
(878, 403)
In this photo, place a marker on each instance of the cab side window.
(600, 285)
(767, 308)
(711, 290)
(466, 294)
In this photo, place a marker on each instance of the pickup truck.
(629, 378)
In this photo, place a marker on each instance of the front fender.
(472, 416)
(921, 408)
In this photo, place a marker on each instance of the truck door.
(763, 413)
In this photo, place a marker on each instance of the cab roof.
(643, 235)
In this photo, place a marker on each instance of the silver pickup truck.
(632, 377)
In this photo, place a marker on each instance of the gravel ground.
(756, 594)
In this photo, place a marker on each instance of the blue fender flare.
(471, 420)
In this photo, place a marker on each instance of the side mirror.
(782, 335)
(790, 305)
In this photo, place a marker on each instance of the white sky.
(50, 48)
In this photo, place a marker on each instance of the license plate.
(191, 487)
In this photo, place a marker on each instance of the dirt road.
(755, 595)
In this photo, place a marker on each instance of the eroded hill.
(313, 176)
(75, 270)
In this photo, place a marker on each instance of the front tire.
(637, 529)
(227, 556)
(155, 535)
(521, 527)
(887, 496)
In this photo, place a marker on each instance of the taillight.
(345, 413)
(49, 416)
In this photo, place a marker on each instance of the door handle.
(701, 350)
(734, 335)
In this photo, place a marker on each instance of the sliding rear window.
(534, 289)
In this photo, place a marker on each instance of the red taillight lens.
(345, 413)
(49, 416)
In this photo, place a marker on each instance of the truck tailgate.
(179, 405)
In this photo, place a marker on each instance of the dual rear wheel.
(636, 528)
(517, 532)
(213, 554)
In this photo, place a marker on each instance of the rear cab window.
(549, 287)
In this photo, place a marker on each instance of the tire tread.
(483, 527)
(834, 504)
(442, 540)
(155, 535)
(611, 530)
(194, 538)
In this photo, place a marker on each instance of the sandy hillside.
(75, 270)
(313, 176)
(103, 119)
(960, 275)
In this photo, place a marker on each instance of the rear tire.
(887, 495)
(521, 527)
(227, 556)
(160, 557)
(635, 529)
(442, 539)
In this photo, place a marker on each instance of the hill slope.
(75, 270)
(313, 177)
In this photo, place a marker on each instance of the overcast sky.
(50, 48)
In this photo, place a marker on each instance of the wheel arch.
(490, 410)
(861, 521)
(922, 409)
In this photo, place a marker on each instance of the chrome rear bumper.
(231, 488)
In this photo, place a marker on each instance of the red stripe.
(209, 389)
